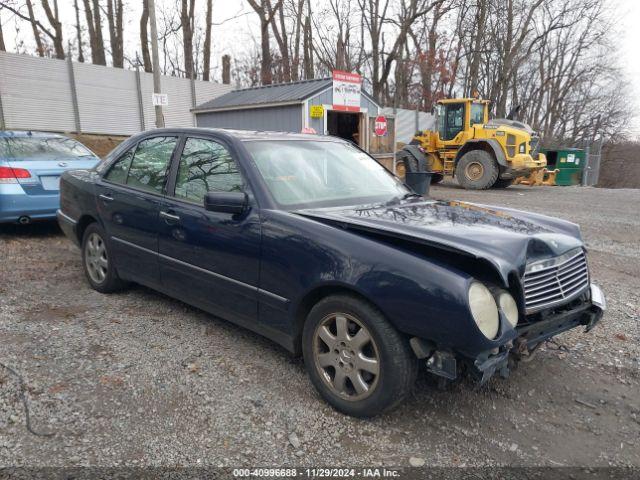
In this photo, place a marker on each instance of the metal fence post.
(74, 93)
(2, 122)
(596, 170)
(585, 170)
(140, 104)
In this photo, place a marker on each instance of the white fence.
(64, 96)
(408, 122)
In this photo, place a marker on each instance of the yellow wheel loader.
(480, 153)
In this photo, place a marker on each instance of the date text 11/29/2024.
(364, 472)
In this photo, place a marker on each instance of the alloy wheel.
(346, 356)
(96, 258)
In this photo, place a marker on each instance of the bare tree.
(187, 25)
(3, 47)
(226, 69)
(144, 37)
(94, 27)
(53, 15)
(307, 47)
(54, 32)
(206, 66)
(78, 32)
(265, 11)
(116, 33)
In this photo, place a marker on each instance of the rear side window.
(206, 166)
(118, 171)
(148, 170)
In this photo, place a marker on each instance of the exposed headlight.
(523, 147)
(509, 308)
(484, 309)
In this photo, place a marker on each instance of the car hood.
(506, 238)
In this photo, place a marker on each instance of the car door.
(129, 197)
(208, 258)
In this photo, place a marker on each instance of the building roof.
(268, 95)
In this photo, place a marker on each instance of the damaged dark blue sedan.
(308, 241)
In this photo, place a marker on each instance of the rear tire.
(358, 362)
(503, 183)
(477, 170)
(97, 261)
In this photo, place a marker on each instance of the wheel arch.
(83, 222)
(489, 145)
(315, 295)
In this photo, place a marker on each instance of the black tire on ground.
(396, 364)
(503, 183)
(477, 170)
(436, 178)
(96, 253)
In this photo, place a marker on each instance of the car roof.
(245, 134)
(29, 133)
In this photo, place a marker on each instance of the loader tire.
(477, 170)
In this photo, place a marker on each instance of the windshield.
(305, 174)
(42, 148)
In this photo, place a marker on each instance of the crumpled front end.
(586, 310)
(556, 296)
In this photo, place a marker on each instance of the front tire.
(97, 261)
(477, 170)
(357, 361)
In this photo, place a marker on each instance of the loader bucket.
(535, 177)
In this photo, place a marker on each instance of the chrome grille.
(552, 282)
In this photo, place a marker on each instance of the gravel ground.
(139, 379)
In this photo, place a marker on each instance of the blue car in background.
(30, 167)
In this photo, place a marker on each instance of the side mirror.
(226, 202)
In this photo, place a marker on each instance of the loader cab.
(460, 115)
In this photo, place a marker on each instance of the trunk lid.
(45, 173)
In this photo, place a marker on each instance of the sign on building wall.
(346, 91)
(160, 100)
(316, 111)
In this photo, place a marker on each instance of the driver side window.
(206, 166)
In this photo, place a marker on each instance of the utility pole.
(155, 60)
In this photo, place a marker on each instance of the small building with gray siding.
(289, 107)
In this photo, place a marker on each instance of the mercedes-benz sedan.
(309, 241)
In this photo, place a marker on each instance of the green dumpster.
(569, 161)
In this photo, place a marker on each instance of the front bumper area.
(484, 366)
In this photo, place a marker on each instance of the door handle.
(106, 198)
(169, 218)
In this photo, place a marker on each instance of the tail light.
(11, 175)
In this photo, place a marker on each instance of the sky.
(235, 30)
(630, 52)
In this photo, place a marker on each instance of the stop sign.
(380, 127)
